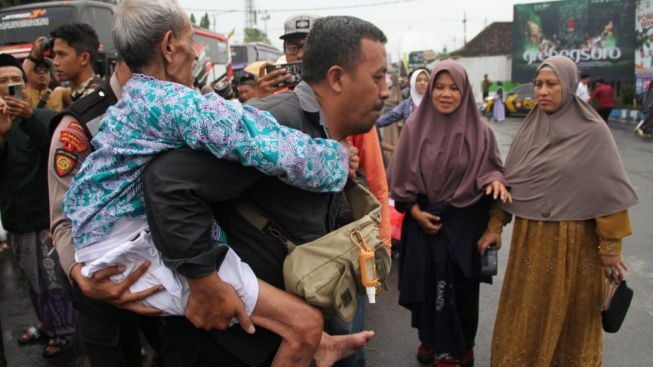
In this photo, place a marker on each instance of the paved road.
(396, 342)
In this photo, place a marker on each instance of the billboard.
(643, 43)
(597, 34)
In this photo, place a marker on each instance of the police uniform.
(111, 334)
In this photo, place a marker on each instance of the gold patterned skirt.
(549, 310)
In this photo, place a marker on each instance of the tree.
(204, 22)
(192, 19)
(256, 35)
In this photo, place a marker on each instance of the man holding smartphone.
(274, 80)
(24, 142)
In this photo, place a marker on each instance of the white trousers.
(130, 244)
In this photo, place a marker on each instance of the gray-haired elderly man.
(342, 94)
(158, 111)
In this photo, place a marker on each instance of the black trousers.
(111, 335)
(605, 113)
(3, 361)
(184, 345)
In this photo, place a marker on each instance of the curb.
(626, 115)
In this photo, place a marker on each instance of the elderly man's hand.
(101, 288)
(212, 303)
(18, 108)
(267, 83)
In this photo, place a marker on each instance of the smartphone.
(293, 68)
(16, 91)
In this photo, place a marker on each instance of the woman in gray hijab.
(570, 196)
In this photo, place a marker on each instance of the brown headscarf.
(565, 165)
(449, 158)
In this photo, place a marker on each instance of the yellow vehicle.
(518, 101)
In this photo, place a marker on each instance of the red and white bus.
(214, 57)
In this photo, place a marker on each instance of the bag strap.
(263, 223)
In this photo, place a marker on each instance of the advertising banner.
(644, 43)
(597, 34)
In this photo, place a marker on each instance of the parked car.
(518, 101)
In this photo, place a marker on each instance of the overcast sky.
(442, 19)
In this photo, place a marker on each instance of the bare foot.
(336, 347)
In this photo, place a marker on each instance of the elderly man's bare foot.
(336, 347)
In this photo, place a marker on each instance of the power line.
(305, 9)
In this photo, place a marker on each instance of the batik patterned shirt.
(154, 116)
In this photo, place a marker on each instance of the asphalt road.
(396, 343)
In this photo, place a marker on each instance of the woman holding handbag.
(446, 161)
(570, 198)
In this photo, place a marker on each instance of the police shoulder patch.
(64, 162)
(76, 126)
(72, 142)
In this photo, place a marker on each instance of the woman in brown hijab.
(570, 194)
(445, 163)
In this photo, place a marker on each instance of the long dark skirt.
(439, 276)
(48, 286)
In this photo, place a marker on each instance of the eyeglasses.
(293, 49)
(41, 69)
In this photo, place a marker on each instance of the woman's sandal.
(448, 360)
(425, 355)
(31, 335)
(56, 346)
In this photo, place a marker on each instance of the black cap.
(8, 60)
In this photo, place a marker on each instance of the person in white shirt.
(583, 91)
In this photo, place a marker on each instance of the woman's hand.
(614, 267)
(498, 190)
(430, 223)
(488, 239)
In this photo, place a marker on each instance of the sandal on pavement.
(31, 335)
(447, 360)
(56, 346)
(425, 355)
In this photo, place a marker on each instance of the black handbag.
(616, 305)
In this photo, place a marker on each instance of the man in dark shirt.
(24, 144)
(341, 94)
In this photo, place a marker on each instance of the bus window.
(24, 26)
(101, 19)
(215, 49)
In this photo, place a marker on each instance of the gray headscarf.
(565, 165)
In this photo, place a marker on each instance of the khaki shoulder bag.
(326, 272)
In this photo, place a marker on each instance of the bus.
(21, 25)
(214, 57)
(243, 55)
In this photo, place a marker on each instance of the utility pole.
(250, 14)
(464, 28)
(265, 18)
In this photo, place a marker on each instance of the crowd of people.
(138, 182)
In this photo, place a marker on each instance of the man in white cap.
(296, 29)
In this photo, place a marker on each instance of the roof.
(495, 39)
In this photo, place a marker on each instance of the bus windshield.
(239, 54)
(24, 26)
